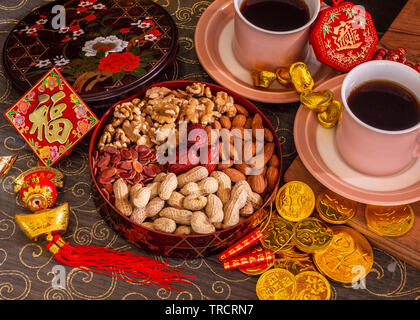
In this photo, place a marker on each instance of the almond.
(238, 121)
(248, 123)
(225, 122)
(274, 161)
(241, 167)
(234, 174)
(257, 183)
(241, 109)
(257, 124)
(268, 136)
(217, 125)
(222, 166)
(271, 175)
(268, 151)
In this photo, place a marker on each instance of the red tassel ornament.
(122, 265)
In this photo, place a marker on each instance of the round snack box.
(173, 209)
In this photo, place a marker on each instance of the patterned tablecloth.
(26, 268)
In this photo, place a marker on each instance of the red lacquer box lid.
(104, 48)
(51, 117)
(344, 36)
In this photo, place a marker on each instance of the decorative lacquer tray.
(103, 48)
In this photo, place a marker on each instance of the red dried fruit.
(110, 149)
(137, 166)
(213, 158)
(196, 136)
(126, 165)
(108, 172)
(185, 160)
(103, 161)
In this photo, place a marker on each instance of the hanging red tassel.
(122, 265)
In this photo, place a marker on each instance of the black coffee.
(385, 105)
(276, 15)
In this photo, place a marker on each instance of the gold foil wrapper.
(283, 76)
(316, 100)
(263, 79)
(330, 117)
(6, 162)
(301, 77)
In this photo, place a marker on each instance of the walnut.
(157, 92)
(132, 129)
(196, 89)
(120, 139)
(225, 104)
(209, 114)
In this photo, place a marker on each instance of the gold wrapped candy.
(316, 100)
(301, 77)
(263, 79)
(298, 75)
(283, 76)
(329, 118)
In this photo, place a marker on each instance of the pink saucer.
(213, 45)
(316, 148)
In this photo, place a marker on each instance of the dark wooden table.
(26, 267)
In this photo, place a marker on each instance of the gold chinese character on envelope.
(51, 117)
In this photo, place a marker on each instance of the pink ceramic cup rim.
(377, 64)
(306, 25)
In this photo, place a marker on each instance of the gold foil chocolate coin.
(276, 284)
(295, 201)
(312, 285)
(312, 235)
(294, 265)
(389, 221)
(348, 258)
(334, 208)
(278, 234)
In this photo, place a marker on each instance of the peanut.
(247, 210)
(194, 202)
(167, 186)
(141, 198)
(160, 177)
(138, 215)
(176, 200)
(120, 189)
(225, 185)
(201, 224)
(183, 230)
(164, 225)
(147, 224)
(214, 209)
(154, 207)
(237, 202)
(180, 216)
(193, 175)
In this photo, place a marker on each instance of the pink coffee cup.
(260, 49)
(370, 150)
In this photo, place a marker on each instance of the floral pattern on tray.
(103, 45)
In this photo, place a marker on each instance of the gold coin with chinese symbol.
(294, 265)
(276, 284)
(389, 221)
(259, 268)
(312, 285)
(278, 234)
(295, 253)
(348, 258)
(334, 208)
(295, 201)
(312, 235)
